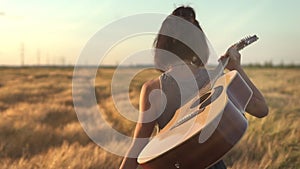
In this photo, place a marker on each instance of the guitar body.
(203, 130)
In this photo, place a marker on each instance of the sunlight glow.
(59, 30)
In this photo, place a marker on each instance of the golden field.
(39, 127)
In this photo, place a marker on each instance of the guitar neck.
(240, 45)
(215, 74)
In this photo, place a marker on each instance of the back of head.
(179, 34)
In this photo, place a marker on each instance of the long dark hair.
(176, 47)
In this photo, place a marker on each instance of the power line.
(22, 53)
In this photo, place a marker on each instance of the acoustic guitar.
(204, 129)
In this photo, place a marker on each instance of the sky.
(55, 32)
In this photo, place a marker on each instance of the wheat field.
(39, 127)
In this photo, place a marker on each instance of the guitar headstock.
(246, 41)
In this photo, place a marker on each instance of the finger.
(223, 57)
(233, 47)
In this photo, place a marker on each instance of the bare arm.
(257, 105)
(143, 129)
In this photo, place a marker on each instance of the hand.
(234, 58)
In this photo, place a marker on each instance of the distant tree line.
(270, 64)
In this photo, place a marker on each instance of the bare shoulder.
(150, 101)
(151, 85)
(149, 97)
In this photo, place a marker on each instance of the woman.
(180, 57)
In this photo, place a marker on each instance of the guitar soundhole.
(200, 100)
(203, 101)
(208, 98)
(217, 92)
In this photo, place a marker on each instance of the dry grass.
(39, 127)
